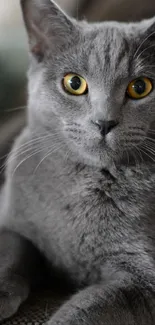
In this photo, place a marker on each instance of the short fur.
(84, 201)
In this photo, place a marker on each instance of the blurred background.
(14, 51)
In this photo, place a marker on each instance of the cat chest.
(78, 224)
(90, 225)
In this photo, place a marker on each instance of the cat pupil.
(75, 83)
(140, 87)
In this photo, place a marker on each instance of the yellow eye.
(139, 88)
(75, 84)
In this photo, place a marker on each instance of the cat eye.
(139, 88)
(75, 84)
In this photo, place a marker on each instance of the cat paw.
(12, 294)
(8, 305)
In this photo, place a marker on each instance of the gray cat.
(80, 179)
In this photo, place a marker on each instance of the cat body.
(81, 201)
(80, 179)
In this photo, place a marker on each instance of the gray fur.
(87, 206)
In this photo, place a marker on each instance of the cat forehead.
(108, 41)
(119, 47)
(106, 48)
(98, 45)
(104, 40)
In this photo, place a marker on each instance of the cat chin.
(96, 160)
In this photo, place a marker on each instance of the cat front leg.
(124, 300)
(18, 263)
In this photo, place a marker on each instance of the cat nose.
(105, 126)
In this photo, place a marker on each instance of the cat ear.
(149, 25)
(146, 29)
(47, 25)
(143, 34)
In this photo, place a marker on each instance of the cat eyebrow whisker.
(149, 74)
(149, 66)
(153, 45)
(142, 62)
(145, 39)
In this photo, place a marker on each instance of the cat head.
(91, 84)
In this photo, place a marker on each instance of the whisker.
(23, 160)
(134, 155)
(139, 153)
(150, 66)
(15, 109)
(145, 39)
(27, 144)
(151, 131)
(48, 154)
(126, 151)
(146, 145)
(20, 153)
(14, 157)
(150, 143)
(151, 74)
(23, 145)
(141, 62)
(149, 150)
(150, 140)
(37, 144)
(147, 154)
